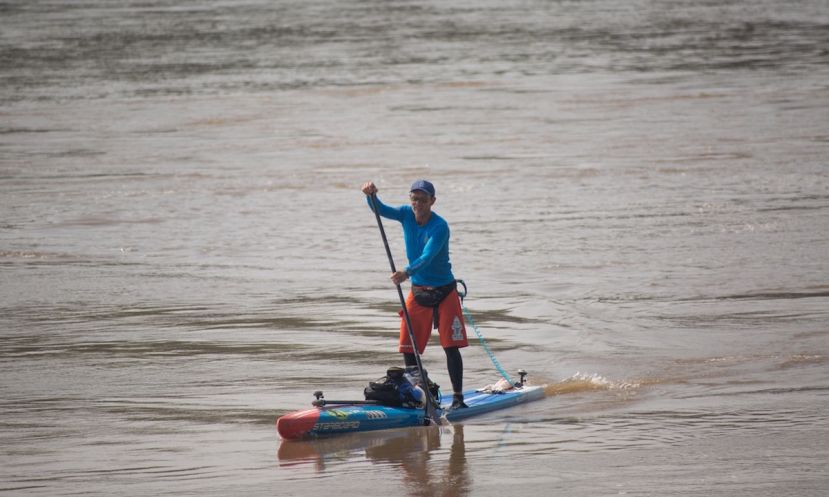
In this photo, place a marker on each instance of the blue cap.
(424, 186)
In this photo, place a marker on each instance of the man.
(433, 298)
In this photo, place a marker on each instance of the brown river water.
(638, 194)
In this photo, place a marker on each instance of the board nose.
(297, 424)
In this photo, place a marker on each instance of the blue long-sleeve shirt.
(427, 246)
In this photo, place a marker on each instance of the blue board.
(347, 418)
(482, 402)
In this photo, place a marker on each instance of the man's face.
(421, 202)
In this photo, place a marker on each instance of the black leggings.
(454, 363)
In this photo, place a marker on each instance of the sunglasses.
(421, 199)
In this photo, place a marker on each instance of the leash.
(484, 344)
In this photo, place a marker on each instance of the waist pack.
(431, 296)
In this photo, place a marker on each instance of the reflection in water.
(414, 452)
(418, 473)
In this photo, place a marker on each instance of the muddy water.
(638, 199)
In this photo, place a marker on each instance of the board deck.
(346, 418)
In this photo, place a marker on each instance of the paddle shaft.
(326, 402)
(429, 405)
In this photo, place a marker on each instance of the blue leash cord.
(471, 321)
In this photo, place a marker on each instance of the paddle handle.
(383, 234)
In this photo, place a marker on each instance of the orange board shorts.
(450, 323)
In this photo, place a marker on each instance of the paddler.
(433, 299)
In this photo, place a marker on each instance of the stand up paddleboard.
(329, 417)
(337, 417)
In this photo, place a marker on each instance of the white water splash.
(584, 382)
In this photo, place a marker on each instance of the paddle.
(430, 407)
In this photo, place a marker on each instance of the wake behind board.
(347, 418)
